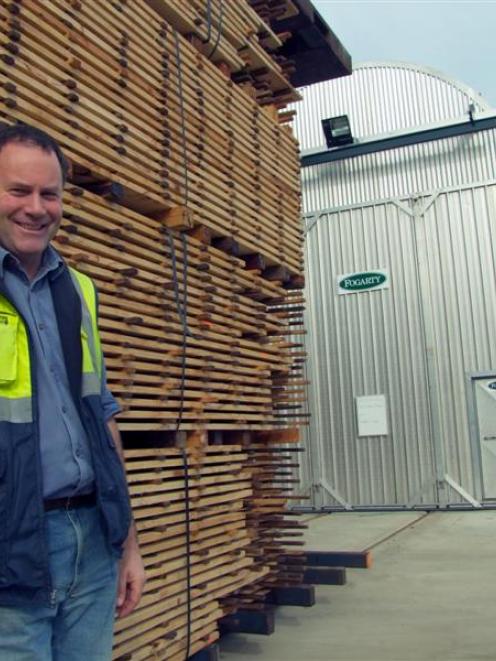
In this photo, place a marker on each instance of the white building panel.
(426, 215)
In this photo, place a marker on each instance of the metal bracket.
(460, 490)
(334, 494)
(422, 205)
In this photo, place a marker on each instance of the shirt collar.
(51, 262)
(3, 255)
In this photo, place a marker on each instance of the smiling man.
(68, 550)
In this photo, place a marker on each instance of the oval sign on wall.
(352, 283)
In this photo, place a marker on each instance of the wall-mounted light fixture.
(337, 131)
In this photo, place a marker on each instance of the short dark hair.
(30, 135)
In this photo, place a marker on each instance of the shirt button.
(41, 326)
(64, 409)
(78, 452)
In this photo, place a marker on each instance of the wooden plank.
(198, 153)
(239, 231)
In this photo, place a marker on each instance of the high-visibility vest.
(15, 363)
(24, 563)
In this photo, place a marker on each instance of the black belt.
(70, 502)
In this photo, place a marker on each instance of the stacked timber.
(187, 330)
(211, 545)
(274, 528)
(183, 205)
(232, 32)
(83, 71)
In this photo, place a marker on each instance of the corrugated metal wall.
(427, 214)
(380, 98)
(414, 342)
(457, 239)
(405, 171)
(365, 344)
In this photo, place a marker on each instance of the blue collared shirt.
(65, 453)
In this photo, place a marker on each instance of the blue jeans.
(78, 623)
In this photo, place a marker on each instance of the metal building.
(401, 289)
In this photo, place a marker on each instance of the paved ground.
(430, 595)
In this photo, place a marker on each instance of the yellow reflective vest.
(15, 363)
(24, 567)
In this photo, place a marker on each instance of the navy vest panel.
(24, 567)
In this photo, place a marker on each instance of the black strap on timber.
(219, 30)
(209, 23)
(182, 308)
(188, 547)
(209, 27)
(182, 116)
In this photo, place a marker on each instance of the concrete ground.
(429, 596)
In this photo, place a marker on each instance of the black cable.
(182, 307)
(209, 23)
(188, 549)
(219, 30)
(209, 27)
(182, 116)
(182, 313)
(185, 289)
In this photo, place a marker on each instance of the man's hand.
(131, 576)
(131, 569)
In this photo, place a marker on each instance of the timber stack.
(183, 205)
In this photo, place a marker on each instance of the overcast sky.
(457, 37)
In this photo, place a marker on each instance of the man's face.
(30, 201)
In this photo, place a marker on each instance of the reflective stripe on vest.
(90, 338)
(15, 366)
(15, 362)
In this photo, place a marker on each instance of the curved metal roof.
(382, 97)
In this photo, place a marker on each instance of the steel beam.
(398, 140)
